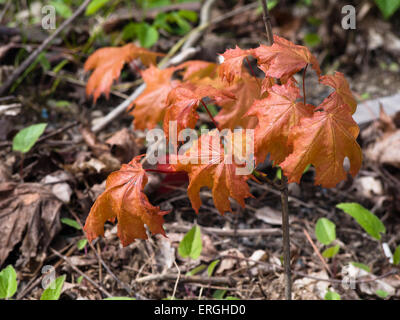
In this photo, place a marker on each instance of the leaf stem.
(209, 113)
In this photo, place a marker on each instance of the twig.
(267, 22)
(94, 283)
(227, 233)
(177, 280)
(121, 283)
(184, 278)
(317, 251)
(17, 72)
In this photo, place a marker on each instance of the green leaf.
(81, 244)
(365, 218)
(219, 294)
(71, 223)
(388, 7)
(8, 282)
(231, 298)
(382, 294)
(188, 15)
(54, 294)
(191, 244)
(361, 266)
(196, 270)
(312, 40)
(325, 230)
(25, 139)
(147, 35)
(396, 256)
(211, 267)
(95, 6)
(331, 295)
(331, 252)
(61, 8)
(119, 298)
(79, 280)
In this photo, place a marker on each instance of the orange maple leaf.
(342, 89)
(324, 140)
(233, 113)
(107, 64)
(124, 199)
(184, 100)
(207, 166)
(150, 106)
(232, 66)
(277, 114)
(284, 58)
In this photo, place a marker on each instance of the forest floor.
(65, 171)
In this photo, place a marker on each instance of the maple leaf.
(197, 69)
(124, 199)
(342, 89)
(107, 64)
(233, 113)
(232, 67)
(151, 104)
(277, 114)
(324, 140)
(184, 100)
(284, 58)
(207, 166)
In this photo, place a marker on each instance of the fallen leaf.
(29, 214)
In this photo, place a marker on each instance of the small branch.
(227, 232)
(184, 278)
(317, 251)
(94, 283)
(17, 72)
(267, 22)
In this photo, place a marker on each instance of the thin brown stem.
(209, 113)
(286, 238)
(267, 22)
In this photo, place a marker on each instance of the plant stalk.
(283, 188)
(286, 238)
(267, 22)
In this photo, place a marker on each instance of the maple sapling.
(293, 133)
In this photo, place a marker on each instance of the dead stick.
(227, 233)
(183, 278)
(42, 47)
(317, 251)
(94, 283)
